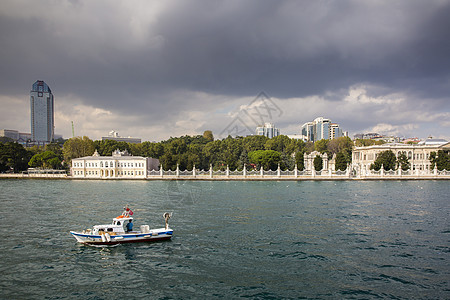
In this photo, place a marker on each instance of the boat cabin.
(118, 226)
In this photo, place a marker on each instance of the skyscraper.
(321, 128)
(268, 130)
(42, 113)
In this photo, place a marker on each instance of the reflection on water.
(232, 239)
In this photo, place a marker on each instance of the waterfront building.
(114, 136)
(321, 128)
(42, 113)
(417, 154)
(268, 130)
(119, 165)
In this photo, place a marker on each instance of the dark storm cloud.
(121, 58)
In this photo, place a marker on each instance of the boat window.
(118, 223)
(110, 229)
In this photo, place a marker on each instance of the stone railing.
(247, 174)
(401, 174)
(295, 174)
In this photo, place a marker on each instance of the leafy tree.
(155, 150)
(55, 148)
(243, 160)
(386, 159)
(231, 151)
(309, 147)
(300, 160)
(13, 156)
(340, 144)
(77, 147)
(341, 161)
(107, 147)
(403, 162)
(212, 153)
(433, 159)
(280, 143)
(321, 146)
(318, 163)
(46, 160)
(254, 142)
(208, 135)
(268, 159)
(287, 162)
(441, 160)
(367, 142)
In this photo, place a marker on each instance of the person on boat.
(130, 226)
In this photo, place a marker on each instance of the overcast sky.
(156, 69)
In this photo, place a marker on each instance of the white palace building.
(119, 165)
(417, 154)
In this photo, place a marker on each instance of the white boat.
(117, 233)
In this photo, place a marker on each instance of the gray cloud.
(137, 58)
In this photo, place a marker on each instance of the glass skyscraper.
(321, 128)
(268, 130)
(42, 113)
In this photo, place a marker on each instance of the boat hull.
(92, 239)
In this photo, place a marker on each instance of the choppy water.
(261, 240)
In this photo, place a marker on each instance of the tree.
(300, 160)
(321, 146)
(441, 160)
(268, 159)
(77, 147)
(155, 150)
(107, 147)
(318, 163)
(340, 144)
(243, 160)
(367, 142)
(386, 159)
(208, 135)
(341, 161)
(279, 143)
(254, 142)
(46, 160)
(13, 156)
(403, 162)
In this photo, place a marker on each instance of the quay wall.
(444, 176)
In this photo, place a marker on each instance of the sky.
(161, 69)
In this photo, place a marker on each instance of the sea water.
(257, 240)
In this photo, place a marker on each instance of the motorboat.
(120, 232)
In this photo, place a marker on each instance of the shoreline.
(231, 178)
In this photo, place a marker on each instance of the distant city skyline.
(190, 66)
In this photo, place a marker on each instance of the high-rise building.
(321, 128)
(268, 130)
(42, 113)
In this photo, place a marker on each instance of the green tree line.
(201, 151)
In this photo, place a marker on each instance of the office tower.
(268, 130)
(321, 128)
(42, 113)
